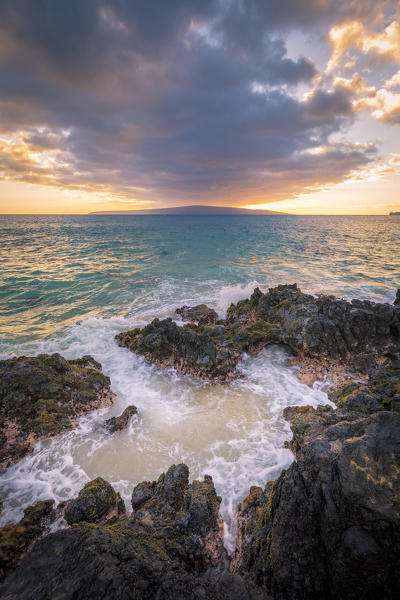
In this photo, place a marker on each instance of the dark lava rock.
(97, 501)
(201, 313)
(381, 392)
(15, 540)
(355, 397)
(397, 299)
(118, 423)
(200, 350)
(183, 514)
(329, 526)
(164, 551)
(365, 362)
(385, 384)
(320, 328)
(42, 396)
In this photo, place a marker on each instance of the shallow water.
(69, 284)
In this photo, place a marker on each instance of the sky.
(290, 105)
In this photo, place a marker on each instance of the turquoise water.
(70, 283)
(58, 269)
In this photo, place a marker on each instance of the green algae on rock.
(43, 395)
(15, 540)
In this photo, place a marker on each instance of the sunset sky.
(291, 105)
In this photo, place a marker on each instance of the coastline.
(365, 395)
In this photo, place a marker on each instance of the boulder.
(43, 395)
(118, 423)
(97, 502)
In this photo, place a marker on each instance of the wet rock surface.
(122, 421)
(42, 396)
(329, 526)
(200, 350)
(320, 328)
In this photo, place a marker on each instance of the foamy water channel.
(234, 433)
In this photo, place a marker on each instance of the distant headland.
(196, 209)
(394, 213)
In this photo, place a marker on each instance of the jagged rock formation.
(43, 395)
(199, 350)
(319, 328)
(329, 526)
(122, 421)
(322, 326)
(186, 515)
(164, 550)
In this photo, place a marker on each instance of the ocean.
(70, 283)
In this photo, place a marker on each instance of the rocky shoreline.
(327, 527)
(327, 335)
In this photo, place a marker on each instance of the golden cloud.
(354, 35)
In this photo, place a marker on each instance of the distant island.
(394, 213)
(196, 209)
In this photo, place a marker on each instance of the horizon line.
(132, 213)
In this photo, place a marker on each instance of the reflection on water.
(58, 269)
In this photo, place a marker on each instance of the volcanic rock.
(329, 526)
(322, 328)
(165, 551)
(200, 350)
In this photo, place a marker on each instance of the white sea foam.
(233, 293)
(235, 434)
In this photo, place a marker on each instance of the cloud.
(182, 100)
(383, 45)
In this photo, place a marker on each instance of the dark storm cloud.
(182, 97)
